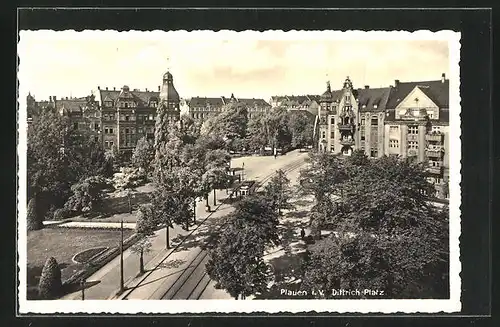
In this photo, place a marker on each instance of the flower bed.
(86, 256)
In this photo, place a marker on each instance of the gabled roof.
(203, 102)
(71, 105)
(437, 91)
(369, 98)
(255, 102)
(141, 97)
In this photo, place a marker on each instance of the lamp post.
(122, 287)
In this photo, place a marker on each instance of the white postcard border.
(269, 306)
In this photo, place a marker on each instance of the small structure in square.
(244, 188)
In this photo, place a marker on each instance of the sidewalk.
(106, 281)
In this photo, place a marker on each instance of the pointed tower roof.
(168, 91)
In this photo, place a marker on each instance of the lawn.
(63, 244)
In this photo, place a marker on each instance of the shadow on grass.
(76, 287)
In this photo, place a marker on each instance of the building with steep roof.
(408, 119)
(128, 115)
(202, 108)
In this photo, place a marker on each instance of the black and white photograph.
(249, 171)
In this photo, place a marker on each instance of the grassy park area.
(62, 244)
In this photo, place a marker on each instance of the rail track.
(177, 291)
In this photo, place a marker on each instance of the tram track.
(177, 290)
(202, 281)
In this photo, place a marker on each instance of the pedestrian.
(302, 233)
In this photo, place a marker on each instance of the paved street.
(165, 266)
(182, 274)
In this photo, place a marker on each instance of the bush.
(33, 220)
(50, 285)
(62, 213)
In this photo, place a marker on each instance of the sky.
(214, 64)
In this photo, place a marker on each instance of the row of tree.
(274, 128)
(236, 259)
(59, 156)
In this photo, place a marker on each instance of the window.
(374, 120)
(106, 144)
(393, 143)
(75, 125)
(323, 135)
(150, 117)
(413, 129)
(139, 131)
(127, 131)
(106, 131)
(127, 118)
(436, 129)
(393, 129)
(362, 120)
(96, 139)
(373, 153)
(110, 131)
(111, 144)
(112, 116)
(96, 126)
(332, 135)
(362, 137)
(332, 120)
(412, 145)
(106, 116)
(430, 114)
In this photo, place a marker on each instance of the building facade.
(301, 102)
(408, 120)
(128, 115)
(202, 108)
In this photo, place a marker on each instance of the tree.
(256, 133)
(50, 284)
(230, 124)
(301, 125)
(143, 155)
(323, 178)
(145, 226)
(258, 210)
(389, 237)
(87, 195)
(236, 262)
(34, 222)
(279, 191)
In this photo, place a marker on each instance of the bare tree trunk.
(215, 200)
(167, 237)
(141, 262)
(194, 211)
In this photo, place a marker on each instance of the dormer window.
(375, 106)
(363, 106)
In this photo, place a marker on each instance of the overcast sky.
(216, 64)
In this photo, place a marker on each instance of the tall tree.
(143, 155)
(145, 226)
(301, 125)
(87, 195)
(256, 133)
(278, 191)
(236, 262)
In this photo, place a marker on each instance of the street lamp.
(122, 287)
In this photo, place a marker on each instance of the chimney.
(50, 98)
(54, 98)
(396, 83)
(106, 88)
(146, 89)
(99, 88)
(66, 98)
(443, 77)
(114, 88)
(367, 87)
(158, 88)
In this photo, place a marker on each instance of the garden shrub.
(33, 219)
(50, 285)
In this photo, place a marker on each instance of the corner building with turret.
(128, 115)
(408, 120)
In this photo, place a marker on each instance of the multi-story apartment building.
(408, 119)
(301, 102)
(416, 125)
(128, 115)
(201, 108)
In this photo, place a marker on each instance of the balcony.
(435, 170)
(346, 127)
(434, 153)
(412, 137)
(347, 142)
(434, 137)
